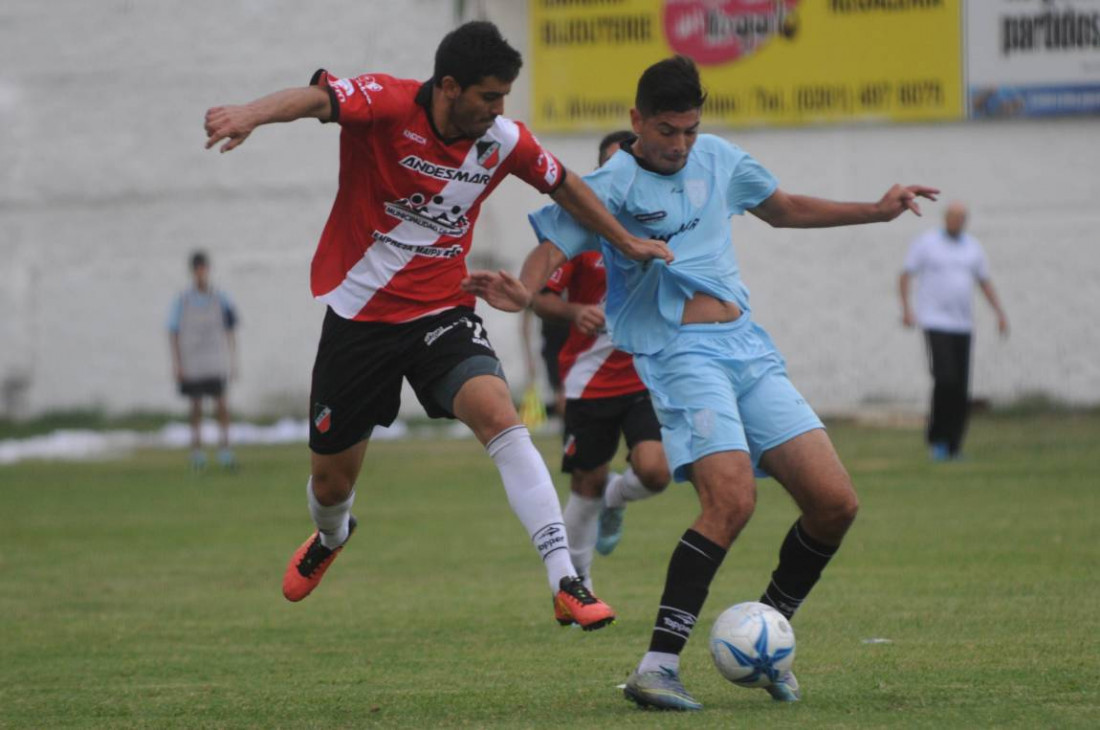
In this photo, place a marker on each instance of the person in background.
(552, 335)
(603, 398)
(201, 330)
(947, 261)
(554, 332)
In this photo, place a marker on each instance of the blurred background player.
(416, 160)
(719, 386)
(947, 261)
(603, 398)
(201, 329)
(552, 335)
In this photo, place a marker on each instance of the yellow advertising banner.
(763, 62)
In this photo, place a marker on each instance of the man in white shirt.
(946, 263)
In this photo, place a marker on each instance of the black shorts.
(554, 335)
(360, 365)
(213, 387)
(593, 425)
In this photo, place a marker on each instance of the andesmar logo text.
(440, 172)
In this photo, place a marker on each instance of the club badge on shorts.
(322, 417)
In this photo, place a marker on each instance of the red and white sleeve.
(533, 164)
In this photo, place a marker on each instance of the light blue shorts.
(723, 387)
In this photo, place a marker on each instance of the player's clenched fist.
(589, 319)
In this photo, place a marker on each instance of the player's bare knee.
(846, 511)
(650, 464)
(727, 511)
(493, 424)
(831, 521)
(735, 520)
(589, 483)
(330, 486)
(724, 523)
(846, 504)
(490, 417)
(741, 504)
(655, 478)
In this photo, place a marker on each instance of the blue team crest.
(696, 192)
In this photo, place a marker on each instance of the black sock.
(801, 560)
(690, 571)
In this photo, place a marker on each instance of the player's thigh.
(356, 382)
(726, 487)
(456, 373)
(639, 422)
(589, 482)
(642, 431)
(650, 464)
(590, 436)
(809, 468)
(772, 409)
(484, 403)
(696, 404)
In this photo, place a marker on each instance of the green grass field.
(133, 594)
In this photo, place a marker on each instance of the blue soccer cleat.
(785, 689)
(610, 529)
(660, 690)
(939, 452)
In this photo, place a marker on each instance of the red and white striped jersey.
(394, 247)
(590, 365)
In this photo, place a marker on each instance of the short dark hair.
(671, 85)
(199, 258)
(616, 137)
(473, 51)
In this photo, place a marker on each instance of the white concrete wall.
(105, 189)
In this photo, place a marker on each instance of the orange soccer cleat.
(575, 604)
(308, 565)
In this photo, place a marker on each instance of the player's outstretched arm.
(235, 123)
(579, 201)
(507, 293)
(786, 210)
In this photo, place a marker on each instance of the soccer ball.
(752, 644)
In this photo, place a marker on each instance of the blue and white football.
(752, 644)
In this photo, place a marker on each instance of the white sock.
(582, 526)
(654, 661)
(532, 496)
(623, 488)
(331, 520)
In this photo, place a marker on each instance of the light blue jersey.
(715, 387)
(690, 211)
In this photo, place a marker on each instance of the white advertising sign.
(1032, 57)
